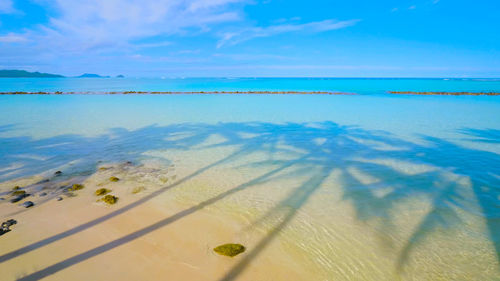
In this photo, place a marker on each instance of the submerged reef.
(181, 93)
(230, 250)
(446, 93)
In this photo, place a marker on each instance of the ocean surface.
(357, 187)
(352, 85)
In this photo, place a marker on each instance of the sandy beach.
(169, 217)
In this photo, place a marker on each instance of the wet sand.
(295, 227)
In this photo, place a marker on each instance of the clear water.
(377, 186)
(360, 86)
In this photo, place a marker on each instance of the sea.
(365, 186)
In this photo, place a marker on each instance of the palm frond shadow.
(313, 151)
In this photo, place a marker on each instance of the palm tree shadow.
(314, 151)
(137, 234)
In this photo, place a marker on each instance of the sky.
(252, 38)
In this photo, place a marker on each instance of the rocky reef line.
(181, 93)
(446, 93)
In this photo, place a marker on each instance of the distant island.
(14, 73)
(91, 75)
(9, 73)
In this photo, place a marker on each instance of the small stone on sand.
(28, 204)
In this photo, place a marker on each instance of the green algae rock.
(16, 187)
(76, 187)
(138, 189)
(110, 199)
(102, 191)
(114, 179)
(18, 192)
(229, 250)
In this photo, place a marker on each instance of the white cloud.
(6, 7)
(12, 38)
(96, 24)
(231, 38)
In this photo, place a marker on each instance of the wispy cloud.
(235, 37)
(12, 38)
(94, 24)
(6, 7)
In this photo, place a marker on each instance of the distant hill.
(24, 74)
(91, 75)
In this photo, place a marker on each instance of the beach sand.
(204, 198)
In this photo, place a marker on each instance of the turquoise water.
(392, 153)
(360, 86)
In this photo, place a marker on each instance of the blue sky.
(230, 38)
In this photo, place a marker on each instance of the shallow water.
(351, 85)
(368, 187)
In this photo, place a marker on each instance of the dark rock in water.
(58, 173)
(114, 179)
(19, 198)
(6, 226)
(1, 198)
(28, 204)
(229, 250)
(76, 186)
(43, 181)
(102, 191)
(17, 192)
(59, 198)
(43, 194)
(110, 199)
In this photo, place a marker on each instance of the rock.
(114, 179)
(16, 188)
(5, 227)
(229, 250)
(18, 192)
(19, 198)
(43, 194)
(138, 189)
(102, 191)
(58, 173)
(28, 204)
(76, 187)
(1, 198)
(59, 198)
(110, 199)
(43, 181)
